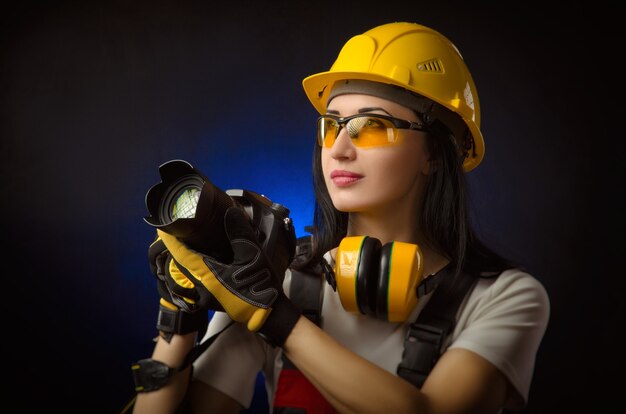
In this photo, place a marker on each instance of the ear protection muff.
(378, 280)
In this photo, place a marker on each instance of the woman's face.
(375, 180)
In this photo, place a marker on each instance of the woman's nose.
(343, 147)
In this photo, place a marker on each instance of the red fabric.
(294, 390)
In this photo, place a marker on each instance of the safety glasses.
(365, 130)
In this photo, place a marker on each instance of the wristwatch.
(150, 375)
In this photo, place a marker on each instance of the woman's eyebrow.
(361, 111)
(372, 109)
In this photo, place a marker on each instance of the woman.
(398, 131)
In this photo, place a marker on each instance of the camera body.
(273, 226)
(187, 205)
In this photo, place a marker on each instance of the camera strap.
(150, 375)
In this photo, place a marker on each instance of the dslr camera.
(187, 205)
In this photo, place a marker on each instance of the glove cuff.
(180, 322)
(280, 322)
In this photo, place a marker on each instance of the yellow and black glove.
(178, 310)
(248, 289)
(179, 313)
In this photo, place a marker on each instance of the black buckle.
(421, 350)
(426, 286)
(181, 322)
(329, 274)
(150, 375)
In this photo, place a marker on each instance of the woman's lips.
(343, 178)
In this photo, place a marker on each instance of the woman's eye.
(374, 123)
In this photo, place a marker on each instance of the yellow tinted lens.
(371, 131)
(327, 132)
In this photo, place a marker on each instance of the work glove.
(249, 289)
(179, 313)
(178, 310)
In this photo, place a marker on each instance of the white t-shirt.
(503, 320)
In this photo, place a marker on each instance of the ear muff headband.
(382, 284)
(367, 276)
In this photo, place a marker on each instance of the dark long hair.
(445, 220)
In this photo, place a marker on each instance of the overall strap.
(305, 289)
(425, 336)
(295, 394)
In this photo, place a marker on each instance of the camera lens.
(180, 199)
(186, 203)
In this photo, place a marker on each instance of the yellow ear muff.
(406, 270)
(378, 280)
(346, 267)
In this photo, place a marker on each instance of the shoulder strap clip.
(425, 336)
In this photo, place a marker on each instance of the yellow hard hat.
(416, 58)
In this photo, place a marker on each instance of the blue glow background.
(96, 95)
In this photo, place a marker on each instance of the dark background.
(96, 95)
